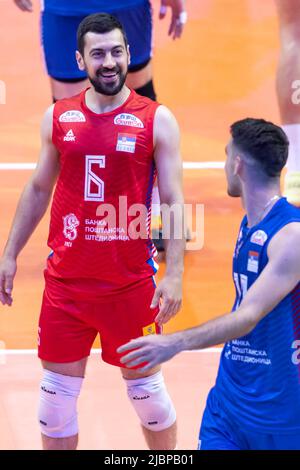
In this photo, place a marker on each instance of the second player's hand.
(24, 5)
(8, 268)
(178, 18)
(168, 297)
(151, 349)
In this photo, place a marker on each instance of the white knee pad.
(57, 408)
(152, 402)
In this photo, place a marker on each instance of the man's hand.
(8, 268)
(24, 5)
(168, 297)
(179, 16)
(152, 349)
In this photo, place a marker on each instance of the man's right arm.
(32, 206)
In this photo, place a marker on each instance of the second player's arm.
(169, 170)
(278, 279)
(32, 206)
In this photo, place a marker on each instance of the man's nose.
(109, 61)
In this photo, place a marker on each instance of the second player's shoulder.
(47, 122)
(165, 124)
(48, 114)
(285, 244)
(164, 115)
(290, 231)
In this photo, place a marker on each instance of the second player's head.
(103, 52)
(256, 152)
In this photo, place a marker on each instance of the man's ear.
(238, 165)
(80, 61)
(129, 56)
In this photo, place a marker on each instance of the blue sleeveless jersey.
(258, 380)
(86, 7)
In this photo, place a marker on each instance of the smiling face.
(105, 59)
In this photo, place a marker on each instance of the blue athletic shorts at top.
(219, 431)
(58, 35)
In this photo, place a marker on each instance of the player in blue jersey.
(255, 403)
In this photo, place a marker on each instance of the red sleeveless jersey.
(106, 167)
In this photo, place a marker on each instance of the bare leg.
(64, 443)
(156, 440)
(72, 369)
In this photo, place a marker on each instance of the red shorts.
(68, 325)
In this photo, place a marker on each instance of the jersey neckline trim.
(114, 111)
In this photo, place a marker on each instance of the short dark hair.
(265, 142)
(100, 23)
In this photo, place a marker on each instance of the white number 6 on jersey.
(90, 177)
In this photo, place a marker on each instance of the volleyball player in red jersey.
(59, 22)
(103, 147)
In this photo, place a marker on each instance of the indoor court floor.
(223, 69)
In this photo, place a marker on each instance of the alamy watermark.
(295, 98)
(124, 222)
(134, 222)
(296, 353)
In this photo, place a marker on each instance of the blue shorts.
(219, 431)
(58, 36)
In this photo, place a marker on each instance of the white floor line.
(17, 166)
(203, 165)
(186, 166)
(27, 352)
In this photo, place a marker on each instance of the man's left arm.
(169, 175)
